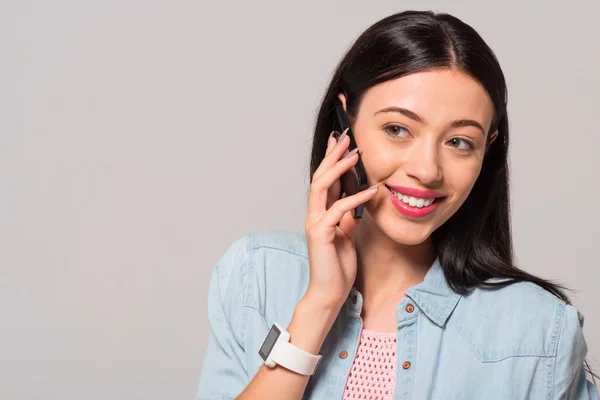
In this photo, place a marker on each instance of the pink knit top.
(373, 373)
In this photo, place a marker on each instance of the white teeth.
(413, 201)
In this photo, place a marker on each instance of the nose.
(423, 163)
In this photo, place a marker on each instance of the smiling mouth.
(415, 202)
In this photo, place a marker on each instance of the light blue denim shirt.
(519, 342)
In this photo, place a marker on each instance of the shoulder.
(278, 240)
(244, 248)
(522, 299)
(265, 270)
(521, 319)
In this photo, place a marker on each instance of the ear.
(492, 138)
(343, 99)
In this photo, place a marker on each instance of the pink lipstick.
(414, 212)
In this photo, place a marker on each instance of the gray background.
(138, 139)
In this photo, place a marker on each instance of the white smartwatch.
(277, 349)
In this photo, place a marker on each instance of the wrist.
(310, 325)
(316, 303)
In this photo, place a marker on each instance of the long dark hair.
(475, 244)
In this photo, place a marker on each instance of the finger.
(329, 177)
(348, 225)
(319, 188)
(336, 212)
(333, 156)
(331, 141)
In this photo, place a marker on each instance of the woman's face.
(422, 147)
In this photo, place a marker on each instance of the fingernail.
(343, 134)
(351, 153)
(330, 143)
(336, 135)
(330, 140)
(374, 186)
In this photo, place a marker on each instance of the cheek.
(379, 162)
(462, 179)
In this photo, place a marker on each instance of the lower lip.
(414, 212)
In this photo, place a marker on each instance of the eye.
(394, 130)
(469, 145)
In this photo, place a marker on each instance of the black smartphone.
(355, 179)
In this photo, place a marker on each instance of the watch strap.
(294, 358)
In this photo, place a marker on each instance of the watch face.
(269, 342)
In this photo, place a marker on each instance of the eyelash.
(471, 146)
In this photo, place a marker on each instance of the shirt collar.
(433, 295)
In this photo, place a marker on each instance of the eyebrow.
(459, 123)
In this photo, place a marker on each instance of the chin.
(408, 239)
(403, 233)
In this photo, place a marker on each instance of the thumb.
(348, 225)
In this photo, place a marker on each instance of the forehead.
(437, 96)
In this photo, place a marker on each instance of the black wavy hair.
(475, 244)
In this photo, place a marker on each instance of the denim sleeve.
(570, 381)
(224, 372)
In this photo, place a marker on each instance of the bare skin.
(394, 251)
(385, 252)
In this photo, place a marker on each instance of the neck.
(386, 268)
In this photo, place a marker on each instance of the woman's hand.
(331, 252)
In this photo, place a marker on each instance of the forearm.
(308, 328)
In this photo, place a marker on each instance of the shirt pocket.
(516, 321)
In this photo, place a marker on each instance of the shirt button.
(343, 354)
(406, 365)
(410, 308)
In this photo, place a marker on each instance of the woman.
(419, 298)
